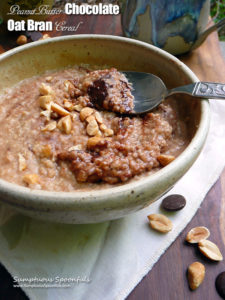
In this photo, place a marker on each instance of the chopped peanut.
(92, 128)
(65, 124)
(165, 159)
(98, 117)
(46, 113)
(103, 127)
(98, 134)
(74, 116)
(59, 109)
(78, 107)
(67, 85)
(68, 105)
(45, 102)
(94, 141)
(108, 132)
(86, 112)
(31, 178)
(90, 119)
(45, 36)
(74, 148)
(46, 151)
(22, 40)
(49, 127)
(45, 89)
(22, 162)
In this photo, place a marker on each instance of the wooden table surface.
(167, 280)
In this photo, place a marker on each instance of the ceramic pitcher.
(173, 25)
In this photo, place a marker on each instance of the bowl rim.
(99, 196)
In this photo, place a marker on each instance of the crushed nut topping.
(45, 89)
(98, 117)
(46, 114)
(78, 107)
(75, 148)
(45, 36)
(65, 124)
(49, 127)
(92, 128)
(22, 162)
(59, 109)
(86, 112)
(68, 105)
(45, 102)
(108, 132)
(31, 179)
(165, 159)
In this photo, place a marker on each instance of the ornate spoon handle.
(201, 89)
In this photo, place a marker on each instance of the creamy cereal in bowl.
(64, 131)
(71, 151)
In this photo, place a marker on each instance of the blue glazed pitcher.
(173, 25)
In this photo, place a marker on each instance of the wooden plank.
(207, 61)
(167, 279)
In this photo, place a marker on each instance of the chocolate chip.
(33, 35)
(98, 92)
(173, 202)
(220, 284)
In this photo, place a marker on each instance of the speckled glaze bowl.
(124, 54)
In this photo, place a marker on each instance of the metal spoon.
(149, 90)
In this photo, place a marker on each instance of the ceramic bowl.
(124, 54)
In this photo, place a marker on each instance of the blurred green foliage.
(218, 13)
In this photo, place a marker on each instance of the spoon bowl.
(149, 90)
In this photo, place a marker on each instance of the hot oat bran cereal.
(56, 135)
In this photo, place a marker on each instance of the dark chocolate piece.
(173, 202)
